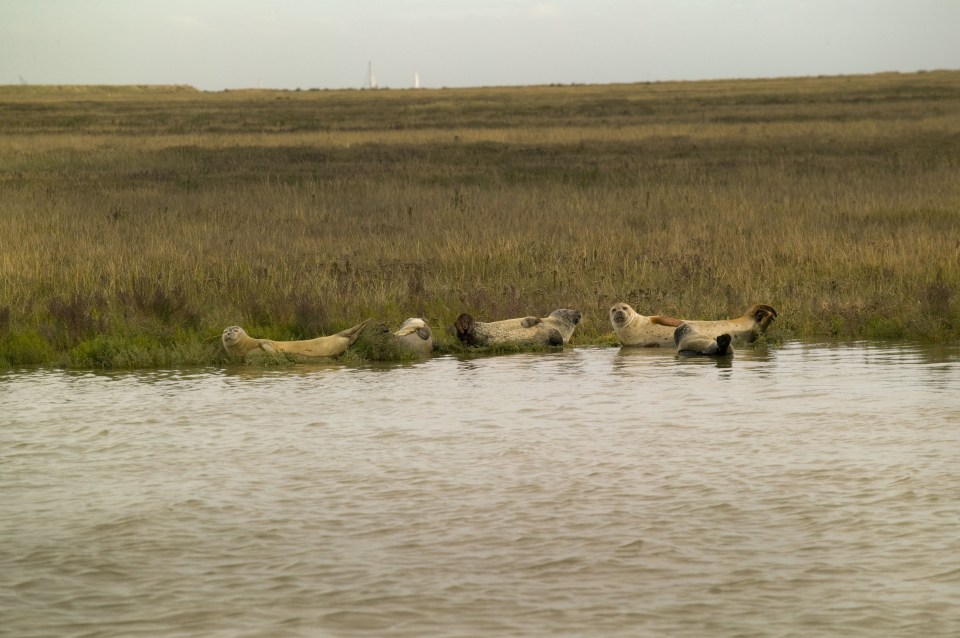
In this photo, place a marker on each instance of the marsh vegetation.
(138, 222)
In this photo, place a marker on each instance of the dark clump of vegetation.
(377, 343)
(144, 220)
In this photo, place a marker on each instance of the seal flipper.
(763, 315)
(723, 345)
(266, 346)
(554, 338)
(529, 322)
(352, 334)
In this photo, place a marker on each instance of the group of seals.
(716, 338)
(414, 334)
(634, 329)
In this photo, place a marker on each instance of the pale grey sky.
(218, 44)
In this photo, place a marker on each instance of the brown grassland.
(138, 222)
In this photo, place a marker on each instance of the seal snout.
(573, 316)
(620, 314)
(231, 334)
(567, 315)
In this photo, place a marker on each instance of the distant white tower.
(416, 80)
(371, 78)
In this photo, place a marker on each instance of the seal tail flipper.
(762, 315)
(354, 333)
(464, 326)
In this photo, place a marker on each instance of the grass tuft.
(25, 348)
(378, 343)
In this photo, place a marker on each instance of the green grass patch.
(25, 348)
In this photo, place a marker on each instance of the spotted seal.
(238, 343)
(634, 329)
(691, 341)
(415, 334)
(552, 330)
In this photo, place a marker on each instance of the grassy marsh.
(140, 221)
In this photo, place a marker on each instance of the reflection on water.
(808, 489)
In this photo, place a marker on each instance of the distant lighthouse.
(371, 78)
(416, 80)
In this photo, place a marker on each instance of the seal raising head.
(238, 343)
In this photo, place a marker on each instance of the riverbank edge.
(195, 349)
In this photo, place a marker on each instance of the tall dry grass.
(140, 222)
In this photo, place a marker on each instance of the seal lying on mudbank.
(238, 343)
(639, 330)
(415, 334)
(691, 341)
(553, 330)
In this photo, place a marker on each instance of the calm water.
(804, 490)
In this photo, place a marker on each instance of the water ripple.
(803, 490)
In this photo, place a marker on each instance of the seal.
(415, 334)
(634, 329)
(553, 330)
(691, 341)
(238, 343)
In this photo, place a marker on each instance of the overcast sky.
(218, 44)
